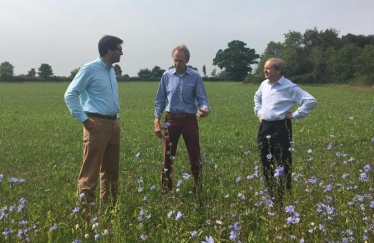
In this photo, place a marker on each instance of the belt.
(180, 115)
(102, 116)
(276, 121)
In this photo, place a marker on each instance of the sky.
(65, 34)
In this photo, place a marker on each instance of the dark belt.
(180, 115)
(275, 122)
(102, 116)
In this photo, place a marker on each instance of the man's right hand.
(260, 118)
(89, 124)
(158, 129)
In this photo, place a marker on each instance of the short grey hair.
(278, 64)
(182, 48)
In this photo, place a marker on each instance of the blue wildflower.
(208, 239)
(363, 177)
(76, 210)
(233, 235)
(53, 227)
(186, 176)
(367, 168)
(179, 215)
(278, 171)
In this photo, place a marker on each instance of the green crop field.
(333, 190)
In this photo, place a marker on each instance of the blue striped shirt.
(180, 93)
(94, 90)
(274, 101)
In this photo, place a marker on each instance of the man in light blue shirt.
(92, 98)
(182, 94)
(273, 102)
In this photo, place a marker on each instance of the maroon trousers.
(189, 129)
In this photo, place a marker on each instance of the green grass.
(41, 143)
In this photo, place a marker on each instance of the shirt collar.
(188, 71)
(103, 64)
(280, 81)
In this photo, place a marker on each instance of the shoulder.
(90, 65)
(288, 83)
(193, 72)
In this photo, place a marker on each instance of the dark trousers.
(274, 152)
(189, 129)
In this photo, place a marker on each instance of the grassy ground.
(41, 147)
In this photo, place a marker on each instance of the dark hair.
(108, 42)
(182, 48)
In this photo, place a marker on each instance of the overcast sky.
(65, 33)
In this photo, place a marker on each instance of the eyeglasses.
(118, 49)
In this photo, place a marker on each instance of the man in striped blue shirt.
(273, 102)
(92, 98)
(182, 94)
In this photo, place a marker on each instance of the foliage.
(322, 57)
(74, 72)
(157, 72)
(332, 199)
(204, 71)
(236, 59)
(253, 78)
(31, 73)
(192, 67)
(45, 71)
(144, 73)
(117, 70)
(6, 70)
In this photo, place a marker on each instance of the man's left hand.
(203, 112)
(289, 116)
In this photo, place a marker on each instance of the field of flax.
(333, 191)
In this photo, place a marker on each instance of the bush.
(255, 79)
(303, 79)
(362, 80)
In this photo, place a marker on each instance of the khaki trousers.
(100, 158)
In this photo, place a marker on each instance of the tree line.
(316, 57)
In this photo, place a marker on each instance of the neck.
(106, 61)
(274, 80)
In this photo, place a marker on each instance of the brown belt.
(180, 115)
(102, 116)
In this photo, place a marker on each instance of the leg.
(110, 166)
(265, 149)
(171, 137)
(190, 132)
(94, 145)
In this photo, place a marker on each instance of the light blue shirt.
(274, 101)
(180, 93)
(93, 90)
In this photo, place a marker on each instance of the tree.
(6, 70)
(236, 59)
(74, 72)
(117, 70)
(194, 68)
(157, 72)
(214, 73)
(45, 71)
(31, 72)
(144, 73)
(204, 71)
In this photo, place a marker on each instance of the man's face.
(270, 72)
(180, 61)
(116, 54)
